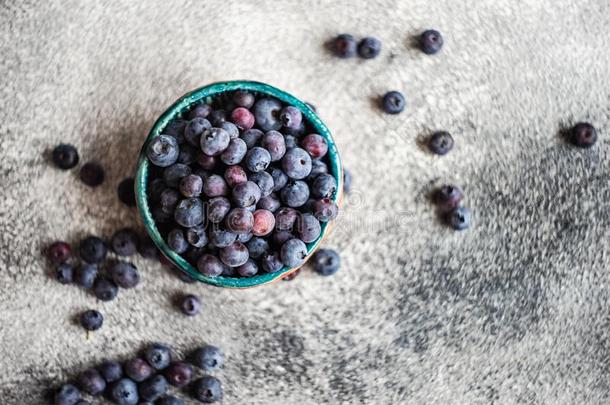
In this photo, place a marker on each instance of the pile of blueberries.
(241, 185)
(146, 380)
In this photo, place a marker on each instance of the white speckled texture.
(512, 311)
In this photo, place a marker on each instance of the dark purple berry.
(210, 265)
(326, 262)
(269, 203)
(243, 98)
(273, 142)
(91, 319)
(317, 167)
(153, 388)
(393, 102)
(243, 118)
(67, 394)
(138, 369)
(235, 152)
(285, 218)
(105, 289)
(296, 163)
(126, 192)
(257, 247)
(323, 186)
(293, 252)
(196, 236)
(194, 129)
(221, 238)
(239, 220)
(187, 155)
(111, 371)
(91, 381)
(174, 173)
(248, 269)
(231, 129)
(179, 374)
(234, 255)
(59, 252)
(344, 46)
(440, 142)
(448, 197)
(65, 273)
(169, 199)
(295, 193)
(189, 212)
(267, 114)
(257, 159)
(369, 48)
(325, 210)
(217, 117)
(315, 145)
(163, 151)
(584, 135)
(291, 117)
(92, 174)
(271, 262)
(214, 141)
(459, 219)
(246, 194)
(215, 186)
(291, 140)
(175, 129)
(280, 237)
(264, 181)
(85, 275)
(125, 242)
(218, 208)
(206, 162)
(200, 110)
(176, 241)
(308, 228)
(431, 41)
(207, 389)
(279, 178)
(65, 156)
(92, 250)
(124, 392)
(124, 274)
(235, 175)
(252, 137)
(155, 188)
(191, 186)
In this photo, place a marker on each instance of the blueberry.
(92, 382)
(209, 265)
(218, 208)
(189, 212)
(155, 188)
(251, 137)
(124, 392)
(294, 132)
(257, 159)
(317, 167)
(190, 305)
(235, 152)
(264, 222)
(440, 142)
(279, 178)
(239, 220)
(65, 156)
(280, 237)
(196, 236)
(448, 197)
(206, 162)
(296, 163)
(125, 242)
(315, 145)
(92, 250)
(214, 141)
(215, 186)
(169, 199)
(67, 394)
(243, 98)
(264, 181)
(344, 46)
(153, 388)
(459, 218)
(217, 117)
(242, 118)
(248, 269)
(194, 129)
(85, 275)
(59, 252)
(293, 252)
(92, 174)
(295, 193)
(138, 369)
(170, 400)
(187, 155)
(291, 117)
(124, 274)
(323, 186)
(221, 238)
(147, 248)
(126, 192)
(274, 143)
(231, 129)
(163, 151)
(269, 203)
(174, 173)
(271, 262)
(347, 181)
(246, 194)
(208, 358)
(291, 141)
(207, 389)
(235, 175)
(369, 48)
(191, 186)
(257, 247)
(91, 319)
(326, 262)
(266, 114)
(393, 102)
(325, 210)
(583, 135)
(200, 110)
(285, 218)
(308, 228)
(105, 289)
(234, 255)
(176, 241)
(175, 129)
(111, 371)
(431, 41)
(179, 374)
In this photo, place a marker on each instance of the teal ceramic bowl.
(207, 94)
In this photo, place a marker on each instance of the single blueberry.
(257, 247)
(111, 371)
(190, 305)
(85, 275)
(210, 265)
(214, 141)
(315, 145)
(180, 373)
(243, 98)
(208, 358)
(92, 249)
(264, 181)
(264, 222)
(317, 167)
(105, 289)
(308, 228)
(197, 236)
(234, 255)
(251, 137)
(153, 388)
(169, 199)
(126, 192)
(217, 117)
(285, 218)
(344, 46)
(206, 162)
(65, 273)
(239, 220)
(177, 241)
(215, 186)
(194, 129)
(235, 152)
(266, 114)
(221, 238)
(175, 129)
(242, 118)
(459, 218)
(65, 156)
(125, 242)
(271, 262)
(248, 269)
(207, 389)
(296, 163)
(124, 274)
(295, 193)
(279, 178)
(163, 151)
(92, 382)
(293, 252)
(323, 186)
(124, 392)
(326, 262)
(440, 142)
(274, 143)
(393, 102)
(234, 175)
(431, 41)
(91, 319)
(59, 252)
(291, 117)
(158, 356)
(189, 212)
(138, 369)
(584, 135)
(218, 208)
(246, 194)
(448, 197)
(269, 203)
(67, 394)
(257, 159)
(369, 48)
(200, 110)
(92, 174)
(325, 209)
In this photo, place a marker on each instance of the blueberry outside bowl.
(207, 94)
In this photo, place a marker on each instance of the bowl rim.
(180, 106)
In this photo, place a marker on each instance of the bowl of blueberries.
(238, 183)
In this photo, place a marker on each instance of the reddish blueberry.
(242, 118)
(315, 145)
(235, 175)
(448, 197)
(59, 252)
(344, 46)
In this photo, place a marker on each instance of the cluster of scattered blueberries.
(146, 380)
(241, 186)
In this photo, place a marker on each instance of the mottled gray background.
(512, 311)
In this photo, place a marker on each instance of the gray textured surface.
(515, 310)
